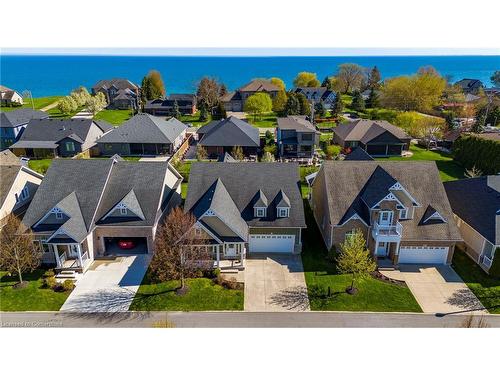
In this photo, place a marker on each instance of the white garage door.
(260, 243)
(420, 254)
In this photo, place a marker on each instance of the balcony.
(387, 233)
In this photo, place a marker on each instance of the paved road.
(238, 319)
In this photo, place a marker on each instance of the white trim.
(53, 210)
(435, 215)
(211, 213)
(397, 186)
(388, 197)
(61, 231)
(257, 209)
(287, 212)
(200, 224)
(353, 217)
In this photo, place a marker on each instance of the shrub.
(48, 273)
(483, 154)
(495, 267)
(332, 151)
(49, 282)
(332, 255)
(216, 272)
(68, 285)
(228, 283)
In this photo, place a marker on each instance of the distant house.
(220, 136)
(46, 138)
(377, 138)
(165, 107)
(144, 134)
(317, 94)
(10, 97)
(476, 207)
(296, 137)
(469, 85)
(120, 93)
(85, 207)
(13, 123)
(18, 185)
(235, 101)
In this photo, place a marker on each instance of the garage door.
(420, 254)
(260, 243)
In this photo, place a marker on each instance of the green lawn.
(373, 294)
(485, 287)
(39, 103)
(267, 120)
(195, 119)
(55, 113)
(448, 168)
(203, 295)
(30, 298)
(40, 165)
(114, 116)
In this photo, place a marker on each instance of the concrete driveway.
(275, 283)
(108, 286)
(437, 289)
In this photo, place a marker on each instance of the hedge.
(484, 154)
(495, 267)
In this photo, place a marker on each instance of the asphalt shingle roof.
(20, 117)
(8, 174)
(366, 130)
(297, 123)
(358, 154)
(229, 132)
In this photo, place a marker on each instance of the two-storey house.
(296, 137)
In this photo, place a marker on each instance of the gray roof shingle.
(366, 130)
(229, 132)
(8, 174)
(20, 117)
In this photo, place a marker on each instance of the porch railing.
(487, 261)
(388, 230)
(85, 256)
(62, 258)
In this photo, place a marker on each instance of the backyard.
(30, 298)
(485, 287)
(195, 119)
(38, 103)
(266, 120)
(203, 294)
(321, 274)
(114, 116)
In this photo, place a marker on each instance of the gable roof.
(362, 130)
(242, 182)
(349, 185)
(358, 154)
(145, 128)
(75, 225)
(119, 83)
(20, 117)
(468, 83)
(259, 85)
(47, 132)
(104, 125)
(227, 158)
(297, 123)
(7, 157)
(476, 203)
(229, 132)
(315, 93)
(8, 174)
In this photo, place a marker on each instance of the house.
(400, 207)
(165, 107)
(246, 208)
(9, 97)
(46, 138)
(377, 138)
(13, 123)
(358, 154)
(476, 208)
(470, 85)
(317, 94)
(235, 101)
(220, 136)
(144, 134)
(18, 185)
(87, 208)
(120, 93)
(296, 137)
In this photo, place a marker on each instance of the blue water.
(58, 75)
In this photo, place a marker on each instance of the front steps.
(67, 275)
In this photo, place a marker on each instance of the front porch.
(70, 257)
(228, 255)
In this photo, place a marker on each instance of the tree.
(201, 153)
(96, 103)
(278, 82)
(152, 86)
(203, 112)
(473, 172)
(338, 105)
(486, 115)
(332, 151)
(373, 100)
(320, 109)
(220, 112)
(222, 90)
(208, 94)
(429, 129)
(176, 111)
(328, 83)
(304, 105)
(258, 104)
(80, 95)
(495, 78)
(67, 105)
(306, 79)
(279, 101)
(351, 77)
(355, 259)
(292, 106)
(374, 78)
(358, 104)
(267, 157)
(237, 153)
(409, 121)
(175, 256)
(146, 90)
(18, 254)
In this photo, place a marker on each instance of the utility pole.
(27, 94)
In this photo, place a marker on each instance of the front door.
(382, 249)
(230, 250)
(73, 251)
(385, 218)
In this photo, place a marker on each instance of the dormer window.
(59, 215)
(283, 212)
(403, 213)
(260, 212)
(123, 210)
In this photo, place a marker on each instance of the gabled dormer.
(260, 205)
(283, 205)
(432, 216)
(128, 208)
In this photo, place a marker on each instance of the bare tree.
(237, 153)
(473, 172)
(351, 77)
(18, 252)
(207, 94)
(179, 252)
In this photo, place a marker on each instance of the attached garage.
(125, 245)
(271, 243)
(422, 254)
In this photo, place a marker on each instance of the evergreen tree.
(292, 106)
(176, 111)
(222, 90)
(319, 109)
(304, 105)
(374, 79)
(373, 100)
(327, 82)
(358, 104)
(203, 113)
(220, 112)
(337, 105)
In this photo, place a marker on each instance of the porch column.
(79, 248)
(242, 252)
(217, 247)
(56, 255)
(376, 247)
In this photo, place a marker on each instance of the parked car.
(126, 244)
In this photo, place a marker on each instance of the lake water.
(58, 75)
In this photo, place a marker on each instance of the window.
(108, 146)
(385, 217)
(307, 137)
(349, 235)
(197, 231)
(260, 212)
(70, 146)
(403, 213)
(283, 212)
(25, 194)
(306, 148)
(59, 215)
(123, 210)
